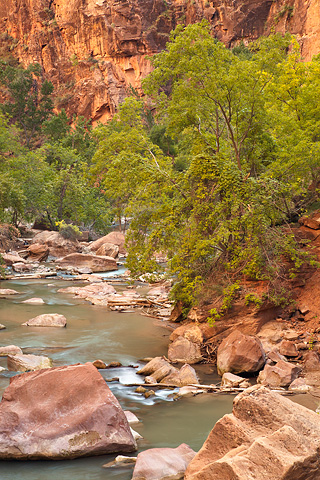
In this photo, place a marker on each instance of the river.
(92, 333)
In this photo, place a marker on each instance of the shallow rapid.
(92, 333)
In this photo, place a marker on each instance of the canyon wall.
(96, 51)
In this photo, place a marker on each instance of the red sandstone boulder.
(185, 376)
(57, 244)
(184, 351)
(239, 353)
(279, 375)
(38, 252)
(47, 320)
(288, 349)
(163, 463)
(116, 238)
(108, 250)
(267, 436)
(10, 350)
(10, 259)
(63, 412)
(94, 262)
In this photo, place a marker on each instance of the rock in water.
(63, 412)
(239, 353)
(47, 320)
(163, 463)
(267, 436)
(26, 363)
(94, 262)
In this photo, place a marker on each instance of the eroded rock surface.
(267, 436)
(73, 409)
(95, 262)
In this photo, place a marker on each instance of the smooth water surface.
(92, 333)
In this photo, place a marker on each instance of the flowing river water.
(92, 333)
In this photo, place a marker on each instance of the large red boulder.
(96, 263)
(239, 353)
(115, 238)
(267, 436)
(63, 412)
(57, 244)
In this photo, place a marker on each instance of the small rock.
(114, 365)
(8, 291)
(10, 350)
(288, 349)
(163, 463)
(131, 417)
(188, 391)
(99, 364)
(34, 301)
(150, 380)
(279, 375)
(2, 369)
(149, 393)
(22, 267)
(120, 460)
(135, 434)
(274, 356)
(231, 380)
(2, 327)
(299, 385)
(141, 389)
(47, 320)
(311, 361)
(152, 366)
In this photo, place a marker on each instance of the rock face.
(94, 262)
(47, 320)
(95, 51)
(163, 463)
(27, 363)
(184, 350)
(266, 437)
(73, 409)
(240, 353)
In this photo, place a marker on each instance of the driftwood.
(213, 388)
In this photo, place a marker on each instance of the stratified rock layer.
(63, 412)
(267, 436)
(96, 51)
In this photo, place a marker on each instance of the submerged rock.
(267, 436)
(239, 353)
(27, 363)
(73, 410)
(8, 291)
(34, 301)
(47, 320)
(10, 350)
(163, 463)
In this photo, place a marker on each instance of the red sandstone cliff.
(94, 51)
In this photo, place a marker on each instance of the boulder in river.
(184, 350)
(109, 250)
(47, 320)
(34, 301)
(185, 376)
(239, 353)
(20, 267)
(10, 350)
(7, 291)
(57, 244)
(163, 463)
(116, 238)
(10, 258)
(38, 252)
(27, 363)
(267, 436)
(95, 262)
(60, 413)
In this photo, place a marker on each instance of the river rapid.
(92, 333)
